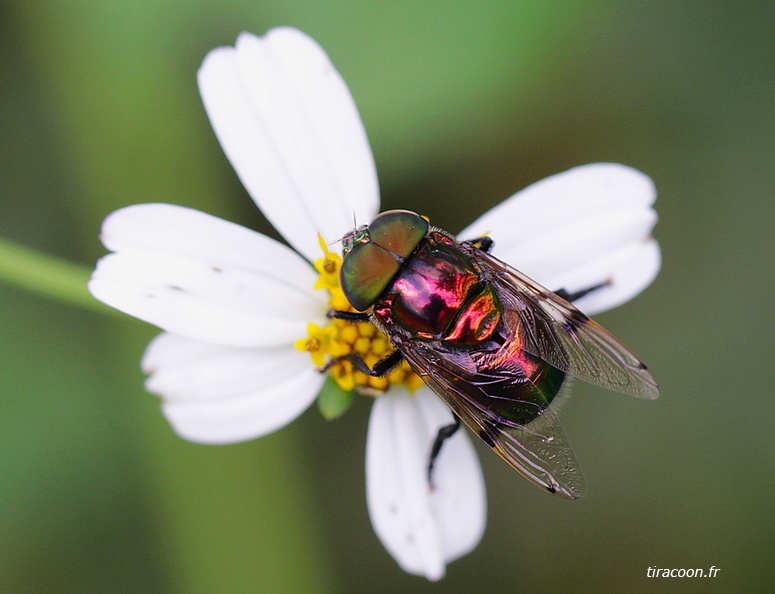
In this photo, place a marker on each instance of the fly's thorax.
(439, 294)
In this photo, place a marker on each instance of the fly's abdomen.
(520, 386)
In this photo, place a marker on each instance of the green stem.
(46, 275)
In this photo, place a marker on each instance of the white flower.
(233, 303)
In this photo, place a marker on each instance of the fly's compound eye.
(398, 231)
(366, 272)
(373, 255)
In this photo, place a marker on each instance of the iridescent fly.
(494, 345)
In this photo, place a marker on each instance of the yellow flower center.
(331, 344)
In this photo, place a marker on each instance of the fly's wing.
(554, 330)
(480, 394)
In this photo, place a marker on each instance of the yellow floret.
(329, 345)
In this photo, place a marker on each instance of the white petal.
(423, 528)
(215, 394)
(204, 278)
(630, 268)
(579, 228)
(290, 129)
(188, 232)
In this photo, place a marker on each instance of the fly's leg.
(443, 435)
(483, 243)
(350, 316)
(381, 367)
(568, 296)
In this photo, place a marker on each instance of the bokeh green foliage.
(464, 103)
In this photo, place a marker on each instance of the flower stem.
(46, 275)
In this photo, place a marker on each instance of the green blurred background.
(464, 104)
